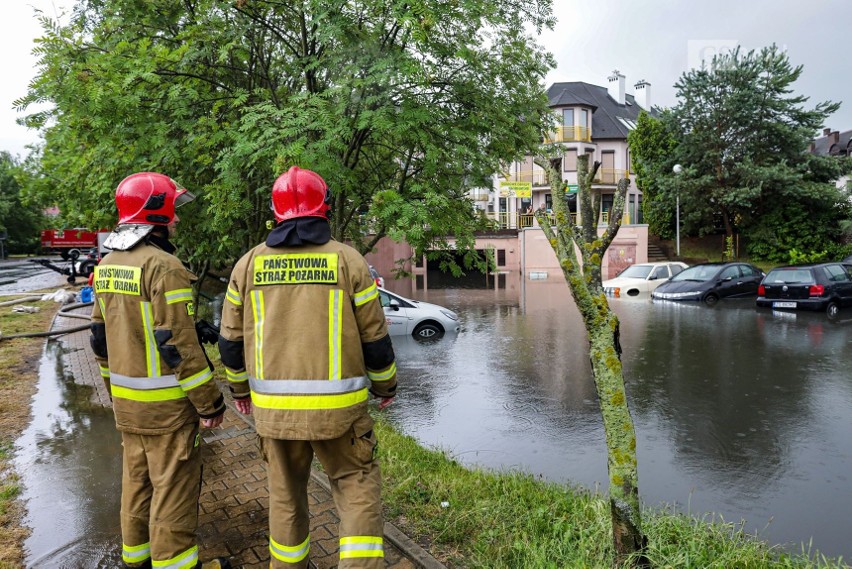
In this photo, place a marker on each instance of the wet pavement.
(69, 460)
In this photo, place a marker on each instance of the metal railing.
(569, 134)
(610, 176)
(535, 177)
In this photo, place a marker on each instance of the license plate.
(783, 305)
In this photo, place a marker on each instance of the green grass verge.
(477, 518)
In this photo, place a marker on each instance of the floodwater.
(69, 461)
(19, 275)
(738, 412)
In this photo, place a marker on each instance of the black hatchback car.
(710, 282)
(821, 287)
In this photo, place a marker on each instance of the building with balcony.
(594, 121)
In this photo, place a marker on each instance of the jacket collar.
(300, 231)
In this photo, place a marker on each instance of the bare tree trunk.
(584, 280)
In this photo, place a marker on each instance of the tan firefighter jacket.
(145, 342)
(303, 330)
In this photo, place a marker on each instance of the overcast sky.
(655, 40)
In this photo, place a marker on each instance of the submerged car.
(710, 282)
(420, 319)
(641, 277)
(823, 287)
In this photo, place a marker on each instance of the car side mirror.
(394, 305)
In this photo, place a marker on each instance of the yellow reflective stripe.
(236, 376)
(233, 296)
(361, 546)
(104, 371)
(178, 295)
(147, 395)
(135, 553)
(152, 356)
(296, 402)
(258, 308)
(290, 553)
(196, 379)
(186, 560)
(366, 295)
(382, 375)
(103, 307)
(335, 332)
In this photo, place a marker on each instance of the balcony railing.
(610, 176)
(569, 134)
(514, 220)
(535, 177)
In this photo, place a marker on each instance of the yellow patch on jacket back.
(295, 268)
(119, 279)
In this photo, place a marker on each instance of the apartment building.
(593, 120)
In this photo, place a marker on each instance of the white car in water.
(642, 277)
(420, 319)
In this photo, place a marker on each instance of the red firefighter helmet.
(300, 193)
(149, 198)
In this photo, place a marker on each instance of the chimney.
(826, 131)
(835, 137)
(616, 87)
(642, 94)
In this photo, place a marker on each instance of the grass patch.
(477, 518)
(19, 366)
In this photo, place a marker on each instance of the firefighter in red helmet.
(304, 342)
(160, 381)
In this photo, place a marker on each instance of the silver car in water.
(420, 319)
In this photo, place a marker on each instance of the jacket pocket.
(189, 441)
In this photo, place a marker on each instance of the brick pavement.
(234, 500)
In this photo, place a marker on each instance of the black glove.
(207, 333)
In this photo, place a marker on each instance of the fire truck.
(69, 243)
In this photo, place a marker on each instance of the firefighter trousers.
(160, 486)
(353, 472)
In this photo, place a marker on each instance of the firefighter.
(160, 381)
(304, 341)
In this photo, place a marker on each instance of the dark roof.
(823, 144)
(606, 111)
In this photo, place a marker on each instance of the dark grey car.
(710, 282)
(823, 287)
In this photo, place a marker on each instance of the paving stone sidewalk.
(234, 498)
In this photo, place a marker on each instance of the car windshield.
(697, 273)
(636, 272)
(789, 276)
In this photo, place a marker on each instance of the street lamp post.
(677, 169)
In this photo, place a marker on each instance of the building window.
(501, 257)
(571, 160)
(567, 117)
(584, 117)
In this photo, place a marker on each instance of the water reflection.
(738, 411)
(69, 459)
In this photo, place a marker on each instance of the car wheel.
(428, 331)
(832, 310)
(711, 299)
(74, 254)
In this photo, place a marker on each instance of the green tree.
(402, 107)
(21, 221)
(580, 250)
(652, 149)
(742, 138)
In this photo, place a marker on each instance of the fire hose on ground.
(62, 312)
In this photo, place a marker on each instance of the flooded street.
(740, 412)
(19, 275)
(69, 461)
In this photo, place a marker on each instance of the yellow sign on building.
(516, 189)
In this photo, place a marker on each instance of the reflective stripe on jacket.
(155, 367)
(313, 337)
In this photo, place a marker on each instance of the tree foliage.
(742, 137)
(19, 219)
(652, 149)
(401, 106)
